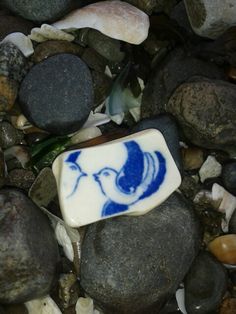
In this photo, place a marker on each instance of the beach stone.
(174, 70)
(205, 109)
(193, 158)
(38, 10)
(53, 47)
(20, 178)
(129, 265)
(166, 124)
(8, 93)
(229, 177)
(28, 253)
(228, 306)
(205, 285)
(232, 223)
(11, 24)
(9, 136)
(211, 18)
(13, 64)
(57, 94)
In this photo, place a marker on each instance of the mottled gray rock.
(28, 251)
(176, 68)
(20, 178)
(134, 264)
(9, 136)
(39, 10)
(166, 124)
(205, 109)
(205, 285)
(232, 223)
(229, 177)
(13, 64)
(57, 94)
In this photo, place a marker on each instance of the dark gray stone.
(13, 64)
(9, 136)
(229, 177)
(28, 251)
(134, 264)
(20, 178)
(176, 68)
(166, 124)
(57, 94)
(205, 285)
(39, 10)
(205, 109)
(232, 223)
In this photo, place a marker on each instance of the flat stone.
(57, 94)
(28, 252)
(135, 264)
(131, 175)
(205, 285)
(211, 18)
(38, 10)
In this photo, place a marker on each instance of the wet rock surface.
(205, 284)
(229, 177)
(29, 253)
(9, 136)
(120, 253)
(60, 105)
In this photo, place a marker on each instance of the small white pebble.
(84, 306)
(22, 42)
(180, 298)
(64, 240)
(48, 32)
(211, 168)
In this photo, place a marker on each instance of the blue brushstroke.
(111, 208)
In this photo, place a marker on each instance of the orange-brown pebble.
(228, 306)
(224, 248)
(8, 93)
(192, 158)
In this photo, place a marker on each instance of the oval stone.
(57, 94)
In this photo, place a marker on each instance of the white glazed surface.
(84, 202)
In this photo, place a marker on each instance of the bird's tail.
(149, 174)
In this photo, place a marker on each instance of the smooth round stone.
(224, 248)
(39, 10)
(135, 264)
(205, 285)
(229, 177)
(166, 124)
(193, 158)
(28, 251)
(57, 94)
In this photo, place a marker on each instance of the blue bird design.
(74, 166)
(140, 177)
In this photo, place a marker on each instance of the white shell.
(211, 168)
(116, 19)
(180, 298)
(64, 240)
(44, 305)
(22, 42)
(89, 181)
(48, 32)
(84, 306)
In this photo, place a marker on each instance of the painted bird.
(141, 176)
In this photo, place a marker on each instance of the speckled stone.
(57, 94)
(8, 93)
(135, 264)
(20, 178)
(229, 177)
(9, 136)
(28, 252)
(39, 10)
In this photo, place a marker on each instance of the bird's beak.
(96, 177)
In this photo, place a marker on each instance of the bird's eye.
(106, 173)
(73, 167)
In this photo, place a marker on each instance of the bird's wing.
(131, 174)
(159, 177)
(72, 158)
(111, 208)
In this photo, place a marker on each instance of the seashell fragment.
(22, 42)
(116, 19)
(84, 306)
(48, 32)
(210, 169)
(44, 305)
(224, 248)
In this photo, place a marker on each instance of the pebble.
(228, 306)
(205, 285)
(175, 69)
(29, 253)
(53, 47)
(116, 19)
(20, 178)
(129, 265)
(9, 136)
(211, 19)
(168, 127)
(131, 175)
(8, 93)
(145, 5)
(211, 168)
(94, 60)
(224, 248)
(193, 158)
(66, 100)
(206, 112)
(232, 223)
(229, 177)
(13, 64)
(38, 10)
(11, 24)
